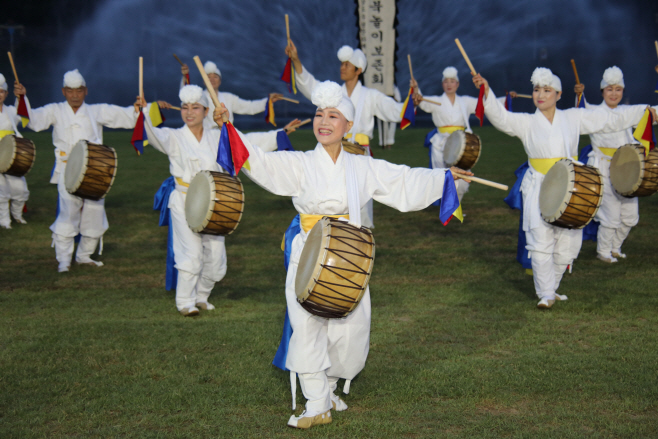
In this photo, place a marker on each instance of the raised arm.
(41, 118)
(113, 116)
(600, 120)
(243, 106)
(386, 108)
(512, 124)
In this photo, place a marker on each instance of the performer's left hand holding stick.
(211, 92)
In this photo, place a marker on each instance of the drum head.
(626, 169)
(7, 152)
(199, 201)
(309, 261)
(454, 147)
(555, 191)
(76, 165)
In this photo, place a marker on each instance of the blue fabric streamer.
(515, 201)
(283, 142)
(161, 203)
(592, 229)
(449, 200)
(224, 156)
(282, 352)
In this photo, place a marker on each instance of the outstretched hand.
(458, 171)
(19, 89)
(184, 69)
(139, 104)
(164, 104)
(478, 80)
(292, 126)
(579, 88)
(219, 114)
(291, 51)
(275, 97)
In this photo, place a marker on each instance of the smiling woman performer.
(549, 135)
(617, 214)
(326, 181)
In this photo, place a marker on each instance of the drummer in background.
(617, 214)
(452, 115)
(367, 101)
(200, 258)
(72, 121)
(12, 188)
(549, 135)
(232, 102)
(328, 181)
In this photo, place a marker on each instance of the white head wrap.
(543, 77)
(354, 56)
(211, 67)
(450, 72)
(3, 82)
(73, 79)
(612, 76)
(192, 94)
(328, 94)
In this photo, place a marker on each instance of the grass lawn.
(458, 348)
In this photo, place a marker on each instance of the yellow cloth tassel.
(528, 271)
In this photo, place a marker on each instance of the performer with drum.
(327, 182)
(234, 104)
(12, 188)
(75, 121)
(548, 136)
(452, 116)
(367, 101)
(617, 214)
(200, 258)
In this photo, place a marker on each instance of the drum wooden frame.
(90, 170)
(462, 150)
(17, 155)
(334, 268)
(633, 173)
(214, 203)
(570, 194)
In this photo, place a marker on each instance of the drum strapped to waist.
(334, 268)
(90, 170)
(633, 173)
(16, 155)
(354, 148)
(462, 149)
(214, 203)
(570, 194)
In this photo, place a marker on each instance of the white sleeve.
(278, 172)
(428, 107)
(160, 138)
(385, 107)
(471, 103)
(113, 116)
(243, 106)
(41, 118)
(305, 82)
(265, 140)
(600, 120)
(512, 124)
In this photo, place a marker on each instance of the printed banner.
(377, 36)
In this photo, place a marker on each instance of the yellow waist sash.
(359, 138)
(608, 151)
(181, 182)
(449, 129)
(4, 133)
(544, 165)
(307, 221)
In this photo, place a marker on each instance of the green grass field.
(458, 348)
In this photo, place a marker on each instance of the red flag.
(408, 114)
(187, 79)
(22, 111)
(288, 76)
(479, 108)
(239, 152)
(139, 138)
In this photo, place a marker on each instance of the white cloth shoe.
(189, 312)
(337, 403)
(610, 260)
(63, 267)
(88, 261)
(619, 255)
(547, 302)
(5, 226)
(206, 306)
(306, 422)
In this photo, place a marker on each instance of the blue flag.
(224, 157)
(283, 142)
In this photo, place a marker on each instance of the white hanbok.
(12, 188)
(552, 248)
(385, 129)
(368, 103)
(323, 350)
(77, 215)
(617, 214)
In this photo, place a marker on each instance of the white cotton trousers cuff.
(317, 392)
(86, 248)
(63, 248)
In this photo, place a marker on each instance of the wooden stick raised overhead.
(468, 61)
(141, 77)
(411, 71)
(575, 71)
(656, 43)
(493, 184)
(294, 101)
(287, 27)
(13, 67)
(431, 102)
(211, 89)
(304, 122)
(518, 95)
(174, 108)
(178, 59)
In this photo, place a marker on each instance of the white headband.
(543, 77)
(3, 82)
(73, 79)
(192, 94)
(211, 67)
(328, 94)
(354, 56)
(450, 72)
(612, 76)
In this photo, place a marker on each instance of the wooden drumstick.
(431, 102)
(304, 122)
(287, 27)
(518, 95)
(575, 71)
(411, 70)
(294, 101)
(178, 59)
(468, 61)
(483, 181)
(141, 77)
(174, 108)
(656, 43)
(209, 87)
(13, 67)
